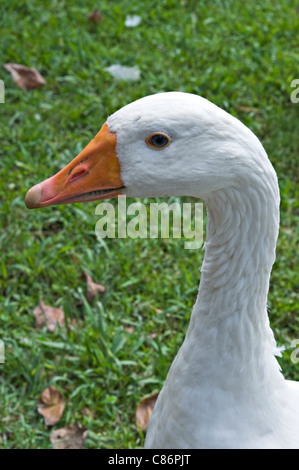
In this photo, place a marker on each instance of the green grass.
(243, 57)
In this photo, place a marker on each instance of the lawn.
(116, 348)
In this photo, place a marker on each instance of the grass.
(242, 57)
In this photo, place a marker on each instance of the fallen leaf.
(121, 72)
(249, 110)
(132, 21)
(52, 405)
(130, 329)
(25, 77)
(158, 310)
(93, 288)
(88, 412)
(95, 16)
(144, 411)
(152, 335)
(117, 419)
(70, 437)
(50, 315)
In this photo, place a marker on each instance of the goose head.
(167, 144)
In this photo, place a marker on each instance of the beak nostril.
(77, 175)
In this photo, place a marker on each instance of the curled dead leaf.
(24, 77)
(144, 411)
(52, 405)
(88, 412)
(152, 335)
(249, 110)
(130, 329)
(95, 16)
(50, 315)
(70, 437)
(132, 21)
(123, 72)
(93, 289)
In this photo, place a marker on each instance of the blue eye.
(158, 141)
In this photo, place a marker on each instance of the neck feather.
(229, 320)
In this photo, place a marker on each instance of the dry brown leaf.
(144, 411)
(158, 310)
(130, 329)
(88, 412)
(93, 288)
(50, 315)
(95, 16)
(248, 110)
(152, 335)
(70, 437)
(52, 406)
(25, 77)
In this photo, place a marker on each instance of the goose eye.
(158, 141)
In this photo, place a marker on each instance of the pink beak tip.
(33, 197)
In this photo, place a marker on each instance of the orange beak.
(94, 174)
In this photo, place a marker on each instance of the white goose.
(224, 388)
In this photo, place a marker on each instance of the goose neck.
(229, 323)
